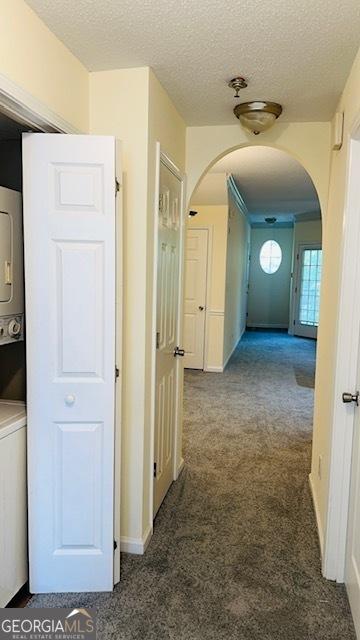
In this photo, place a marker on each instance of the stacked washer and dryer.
(13, 503)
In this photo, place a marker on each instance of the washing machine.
(13, 501)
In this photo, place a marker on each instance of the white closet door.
(195, 297)
(69, 237)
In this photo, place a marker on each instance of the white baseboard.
(317, 516)
(136, 546)
(254, 325)
(214, 369)
(180, 468)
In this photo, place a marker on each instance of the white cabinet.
(13, 505)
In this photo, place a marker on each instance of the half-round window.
(270, 256)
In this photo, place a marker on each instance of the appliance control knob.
(14, 328)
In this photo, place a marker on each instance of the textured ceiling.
(295, 53)
(270, 182)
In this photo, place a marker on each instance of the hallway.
(235, 552)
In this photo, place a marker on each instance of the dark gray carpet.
(235, 553)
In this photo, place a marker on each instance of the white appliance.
(13, 502)
(11, 267)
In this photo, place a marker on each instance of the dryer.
(11, 267)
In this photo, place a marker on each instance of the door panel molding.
(163, 158)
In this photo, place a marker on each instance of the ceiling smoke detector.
(257, 116)
(270, 220)
(237, 83)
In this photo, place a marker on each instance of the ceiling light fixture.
(257, 116)
(237, 83)
(270, 220)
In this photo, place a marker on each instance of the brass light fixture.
(257, 116)
(237, 83)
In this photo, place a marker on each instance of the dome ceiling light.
(257, 116)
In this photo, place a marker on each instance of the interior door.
(69, 238)
(167, 364)
(195, 297)
(307, 290)
(352, 568)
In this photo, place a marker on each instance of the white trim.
(317, 516)
(348, 329)
(214, 370)
(22, 106)
(256, 325)
(136, 546)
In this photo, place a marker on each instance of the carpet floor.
(235, 553)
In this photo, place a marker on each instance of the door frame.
(210, 235)
(296, 289)
(21, 106)
(178, 461)
(347, 343)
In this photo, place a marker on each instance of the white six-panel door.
(352, 569)
(69, 237)
(196, 256)
(166, 390)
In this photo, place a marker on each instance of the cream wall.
(119, 104)
(132, 105)
(330, 289)
(269, 294)
(215, 218)
(308, 142)
(31, 56)
(166, 127)
(238, 241)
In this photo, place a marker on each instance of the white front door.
(352, 568)
(196, 256)
(307, 290)
(167, 364)
(69, 238)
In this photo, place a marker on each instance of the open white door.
(352, 568)
(69, 237)
(308, 269)
(167, 333)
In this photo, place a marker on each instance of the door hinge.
(117, 372)
(294, 323)
(155, 468)
(115, 545)
(158, 339)
(297, 256)
(117, 186)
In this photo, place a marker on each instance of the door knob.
(351, 397)
(179, 352)
(201, 308)
(69, 400)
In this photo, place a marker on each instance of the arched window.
(270, 256)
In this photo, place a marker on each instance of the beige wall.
(215, 218)
(308, 142)
(166, 127)
(132, 105)
(119, 106)
(269, 294)
(332, 233)
(238, 240)
(32, 57)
